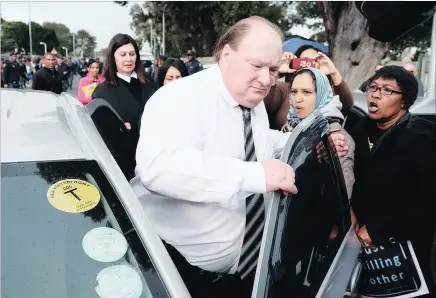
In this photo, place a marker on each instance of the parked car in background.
(147, 59)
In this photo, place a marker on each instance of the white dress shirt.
(126, 77)
(190, 176)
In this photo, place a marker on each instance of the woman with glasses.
(395, 169)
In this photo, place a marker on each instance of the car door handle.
(354, 280)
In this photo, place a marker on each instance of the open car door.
(309, 248)
(115, 135)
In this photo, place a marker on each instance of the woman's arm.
(83, 98)
(345, 96)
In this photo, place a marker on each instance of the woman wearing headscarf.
(311, 90)
(88, 84)
(395, 168)
(276, 105)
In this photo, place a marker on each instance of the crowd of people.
(207, 146)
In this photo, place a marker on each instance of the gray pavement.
(73, 91)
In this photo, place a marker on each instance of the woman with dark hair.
(88, 84)
(126, 87)
(127, 90)
(171, 70)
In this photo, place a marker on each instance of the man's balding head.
(411, 67)
(249, 55)
(241, 29)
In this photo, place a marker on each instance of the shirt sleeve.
(171, 160)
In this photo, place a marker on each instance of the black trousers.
(206, 284)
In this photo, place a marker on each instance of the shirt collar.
(222, 87)
(127, 78)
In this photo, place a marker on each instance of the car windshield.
(64, 233)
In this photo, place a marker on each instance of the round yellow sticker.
(73, 195)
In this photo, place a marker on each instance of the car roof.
(43, 126)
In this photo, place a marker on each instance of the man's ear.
(226, 53)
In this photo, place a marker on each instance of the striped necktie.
(255, 210)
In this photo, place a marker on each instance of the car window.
(317, 220)
(64, 233)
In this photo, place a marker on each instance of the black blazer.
(126, 100)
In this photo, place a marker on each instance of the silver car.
(72, 226)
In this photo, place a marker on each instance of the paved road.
(73, 91)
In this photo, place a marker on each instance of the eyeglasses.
(383, 90)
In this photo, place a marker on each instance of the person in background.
(193, 65)
(326, 65)
(162, 59)
(395, 169)
(278, 114)
(125, 85)
(2, 66)
(64, 72)
(100, 65)
(83, 67)
(277, 104)
(13, 72)
(37, 64)
(153, 70)
(311, 90)
(29, 71)
(411, 67)
(47, 78)
(88, 84)
(171, 70)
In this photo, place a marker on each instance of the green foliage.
(197, 25)
(56, 35)
(85, 43)
(63, 34)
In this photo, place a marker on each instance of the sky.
(102, 19)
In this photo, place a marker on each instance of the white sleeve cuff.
(253, 178)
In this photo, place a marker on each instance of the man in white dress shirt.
(193, 174)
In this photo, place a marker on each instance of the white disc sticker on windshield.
(119, 281)
(104, 244)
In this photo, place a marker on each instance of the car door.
(115, 135)
(309, 248)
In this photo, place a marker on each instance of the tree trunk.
(354, 53)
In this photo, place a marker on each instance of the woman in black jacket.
(395, 169)
(126, 87)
